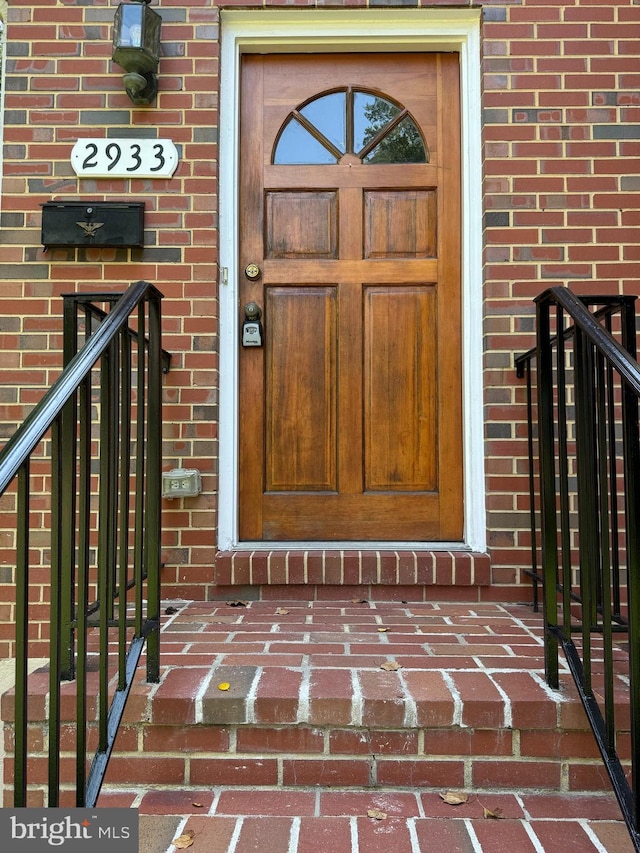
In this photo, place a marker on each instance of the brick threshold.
(393, 567)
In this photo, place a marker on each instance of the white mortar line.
(410, 707)
(556, 695)
(473, 837)
(236, 835)
(533, 837)
(171, 848)
(525, 628)
(457, 700)
(294, 835)
(413, 835)
(303, 698)
(593, 838)
(520, 802)
(217, 792)
(199, 713)
(137, 799)
(507, 719)
(251, 696)
(353, 826)
(356, 701)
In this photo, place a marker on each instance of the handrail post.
(548, 520)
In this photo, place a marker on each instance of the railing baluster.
(124, 500)
(105, 543)
(55, 640)
(153, 481)
(22, 637)
(68, 502)
(82, 627)
(547, 487)
(604, 518)
(535, 577)
(587, 497)
(563, 471)
(140, 473)
(611, 421)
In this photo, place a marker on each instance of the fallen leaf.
(376, 814)
(224, 685)
(197, 805)
(359, 601)
(171, 610)
(493, 815)
(382, 630)
(281, 611)
(237, 603)
(390, 666)
(185, 840)
(453, 798)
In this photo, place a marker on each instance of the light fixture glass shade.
(136, 38)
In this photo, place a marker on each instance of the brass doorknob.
(252, 311)
(252, 272)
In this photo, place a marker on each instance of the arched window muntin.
(349, 122)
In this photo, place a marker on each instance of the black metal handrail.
(98, 429)
(585, 512)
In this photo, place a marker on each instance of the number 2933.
(124, 158)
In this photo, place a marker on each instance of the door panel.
(400, 224)
(301, 225)
(300, 390)
(350, 414)
(400, 423)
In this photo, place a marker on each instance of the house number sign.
(124, 158)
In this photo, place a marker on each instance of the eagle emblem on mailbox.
(90, 228)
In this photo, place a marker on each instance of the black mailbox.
(92, 223)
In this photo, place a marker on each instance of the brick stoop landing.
(310, 711)
(312, 733)
(358, 695)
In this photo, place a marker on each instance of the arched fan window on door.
(352, 122)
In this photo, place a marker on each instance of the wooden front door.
(350, 411)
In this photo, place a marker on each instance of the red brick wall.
(561, 135)
(561, 110)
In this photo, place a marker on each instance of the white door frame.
(315, 30)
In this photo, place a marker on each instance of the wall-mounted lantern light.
(136, 48)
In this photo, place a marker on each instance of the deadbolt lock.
(252, 272)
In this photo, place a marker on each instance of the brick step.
(349, 695)
(365, 821)
(295, 695)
